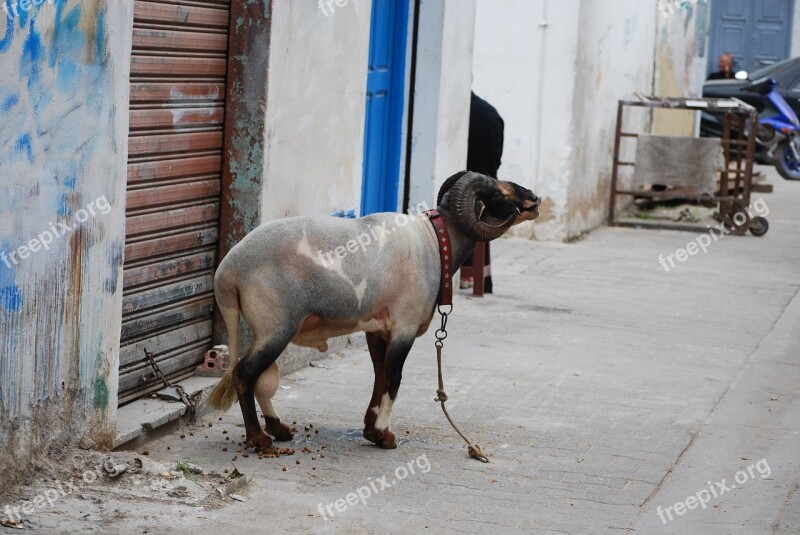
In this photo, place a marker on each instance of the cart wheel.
(759, 226)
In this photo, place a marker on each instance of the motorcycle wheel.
(786, 164)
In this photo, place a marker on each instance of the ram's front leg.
(387, 360)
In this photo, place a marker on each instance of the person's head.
(726, 64)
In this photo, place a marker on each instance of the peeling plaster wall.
(680, 64)
(527, 71)
(615, 61)
(441, 99)
(63, 145)
(245, 118)
(315, 109)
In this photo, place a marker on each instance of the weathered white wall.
(555, 71)
(315, 108)
(63, 145)
(615, 61)
(525, 66)
(680, 64)
(442, 95)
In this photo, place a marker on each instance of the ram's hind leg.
(245, 376)
(266, 386)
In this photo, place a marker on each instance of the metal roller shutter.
(177, 107)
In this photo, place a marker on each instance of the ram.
(287, 291)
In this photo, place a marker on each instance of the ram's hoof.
(260, 441)
(279, 430)
(383, 439)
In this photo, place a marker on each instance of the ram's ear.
(479, 209)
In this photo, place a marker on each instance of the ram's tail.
(224, 394)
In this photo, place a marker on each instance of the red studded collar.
(446, 254)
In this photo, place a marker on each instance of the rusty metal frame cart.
(736, 180)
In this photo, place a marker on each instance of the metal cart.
(735, 183)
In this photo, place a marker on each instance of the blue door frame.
(757, 32)
(384, 102)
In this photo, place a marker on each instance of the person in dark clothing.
(484, 150)
(485, 145)
(725, 65)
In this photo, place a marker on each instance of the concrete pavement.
(603, 388)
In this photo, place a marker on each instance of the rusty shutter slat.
(177, 109)
(168, 269)
(150, 224)
(161, 144)
(146, 327)
(177, 41)
(173, 169)
(131, 355)
(178, 117)
(178, 66)
(176, 93)
(170, 244)
(176, 15)
(168, 194)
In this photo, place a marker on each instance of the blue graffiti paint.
(100, 37)
(31, 68)
(5, 42)
(67, 77)
(30, 63)
(65, 54)
(69, 181)
(23, 147)
(23, 18)
(11, 298)
(10, 294)
(9, 102)
(63, 208)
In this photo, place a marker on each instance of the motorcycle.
(778, 130)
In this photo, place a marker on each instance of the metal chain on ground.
(475, 450)
(178, 388)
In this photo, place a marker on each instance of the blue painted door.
(385, 87)
(757, 32)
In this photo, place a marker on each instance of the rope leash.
(445, 298)
(474, 449)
